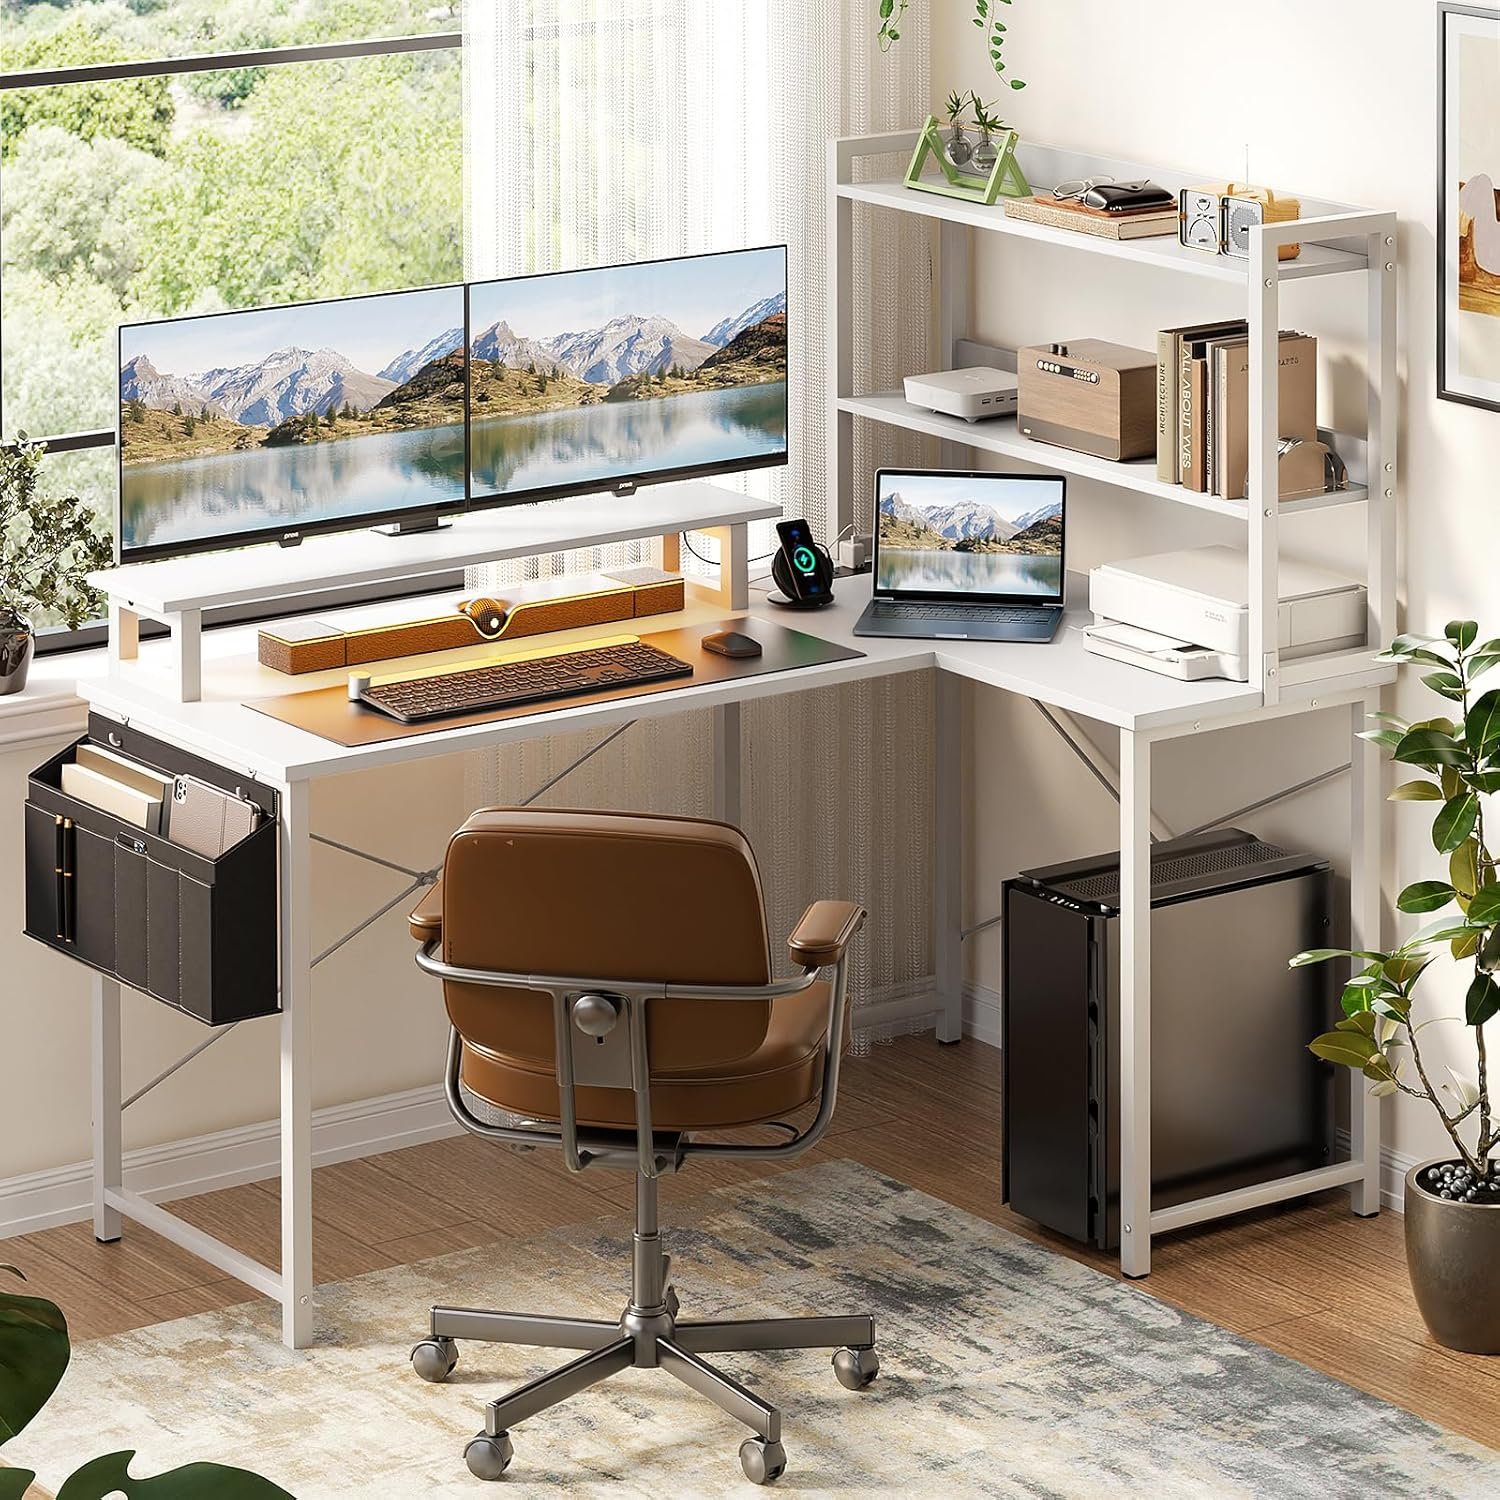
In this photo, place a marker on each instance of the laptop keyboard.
(959, 613)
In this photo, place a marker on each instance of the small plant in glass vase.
(1452, 1205)
(48, 544)
(988, 125)
(960, 150)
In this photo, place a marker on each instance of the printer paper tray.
(1187, 663)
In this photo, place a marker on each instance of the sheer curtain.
(614, 130)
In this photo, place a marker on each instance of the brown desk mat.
(328, 713)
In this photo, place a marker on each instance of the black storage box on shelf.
(194, 932)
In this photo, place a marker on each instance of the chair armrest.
(825, 931)
(427, 916)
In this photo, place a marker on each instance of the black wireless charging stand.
(781, 576)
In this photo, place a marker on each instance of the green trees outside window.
(128, 199)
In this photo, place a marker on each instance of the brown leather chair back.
(605, 896)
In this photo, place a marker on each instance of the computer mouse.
(731, 643)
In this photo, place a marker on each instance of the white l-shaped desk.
(1143, 707)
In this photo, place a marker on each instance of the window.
(195, 155)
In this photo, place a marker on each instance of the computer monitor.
(619, 375)
(281, 421)
(984, 535)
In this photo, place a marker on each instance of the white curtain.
(614, 130)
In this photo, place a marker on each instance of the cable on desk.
(713, 562)
(762, 557)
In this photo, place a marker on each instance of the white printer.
(1187, 614)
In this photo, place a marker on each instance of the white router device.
(972, 393)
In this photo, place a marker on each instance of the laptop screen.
(985, 536)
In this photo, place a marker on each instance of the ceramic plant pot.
(1453, 1258)
(16, 646)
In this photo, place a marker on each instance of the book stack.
(117, 785)
(1065, 213)
(1203, 403)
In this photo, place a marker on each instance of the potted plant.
(34, 1353)
(48, 544)
(958, 148)
(1452, 1204)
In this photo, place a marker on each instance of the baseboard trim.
(982, 1013)
(918, 998)
(228, 1158)
(342, 1132)
(1394, 1165)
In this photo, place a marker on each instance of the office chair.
(609, 985)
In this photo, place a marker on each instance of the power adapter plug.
(854, 553)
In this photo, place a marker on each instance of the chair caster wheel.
(763, 1462)
(673, 1305)
(433, 1359)
(489, 1457)
(856, 1368)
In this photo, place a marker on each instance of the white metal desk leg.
(1364, 925)
(948, 856)
(106, 1104)
(1135, 1004)
(727, 742)
(296, 1069)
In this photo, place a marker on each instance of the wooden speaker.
(596, 599)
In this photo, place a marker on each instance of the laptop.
(967, 556)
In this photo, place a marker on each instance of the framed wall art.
(1468, 259)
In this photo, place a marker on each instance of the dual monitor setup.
(275, 423)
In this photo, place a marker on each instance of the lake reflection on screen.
(971, 572)
(286, 488)
(582, 445)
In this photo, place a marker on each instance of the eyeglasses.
(1079, 187)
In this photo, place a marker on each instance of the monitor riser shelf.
(178, 591)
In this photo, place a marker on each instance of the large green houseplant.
(34, 1353)
(48, 546)
(1452, 1206)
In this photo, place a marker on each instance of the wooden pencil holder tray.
(196, 933)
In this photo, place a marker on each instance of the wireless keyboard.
(525, 679)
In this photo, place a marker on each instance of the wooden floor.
(1309, 1280)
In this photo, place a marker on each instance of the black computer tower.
(1236, 1097)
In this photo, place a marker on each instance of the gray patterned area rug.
(1007, 1371)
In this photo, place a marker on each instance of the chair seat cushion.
(784, 1073)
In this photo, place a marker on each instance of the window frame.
(61, 639)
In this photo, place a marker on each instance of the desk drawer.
(196, 933)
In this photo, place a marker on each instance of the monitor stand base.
(413, 527)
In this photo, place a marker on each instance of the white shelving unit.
(1337, 240)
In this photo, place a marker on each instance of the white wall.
(1336, 100)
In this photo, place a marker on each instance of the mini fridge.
(1236, 1097)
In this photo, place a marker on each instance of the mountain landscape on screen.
(587, 379)
(631, 357)
(290, 395)
(277, 419)
(971, 526)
